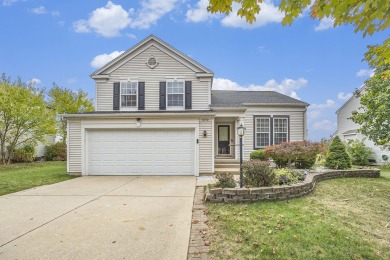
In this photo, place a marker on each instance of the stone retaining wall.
(283, 192)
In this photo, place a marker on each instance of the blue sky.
(65, 41)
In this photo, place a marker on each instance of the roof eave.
(228, 108)
(135, 115)
(303, 104)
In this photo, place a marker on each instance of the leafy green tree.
(359, 152)
(25, 118)
(367, 16)
(337, 157)
(374, 113)
(66, 101)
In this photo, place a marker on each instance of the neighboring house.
(348, 130)
(40, 148)
(156, 114)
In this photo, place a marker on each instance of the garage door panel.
(140, 152)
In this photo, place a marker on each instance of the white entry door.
(140, 152)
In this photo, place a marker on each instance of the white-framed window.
(280, 130)
(262, 132)
(175, 94)
(270, 130)
(129, 94)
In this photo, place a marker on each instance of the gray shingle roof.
(230, 98)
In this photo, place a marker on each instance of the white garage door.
(140, 152)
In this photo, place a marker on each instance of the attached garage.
(140, 151)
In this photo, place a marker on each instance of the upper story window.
(175, 94)
(270, 131)
(129, 92)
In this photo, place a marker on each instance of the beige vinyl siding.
(344, 123)
(74, 146)
(296, 123)
(136, 69)
(104, 96)
(205, 146)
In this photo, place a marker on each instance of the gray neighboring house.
(348, 130)
(156, 114)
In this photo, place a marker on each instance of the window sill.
(129, 109)
(175, 108)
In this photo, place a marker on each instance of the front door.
(223, 139)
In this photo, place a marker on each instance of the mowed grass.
(21, 176)
(342, 219)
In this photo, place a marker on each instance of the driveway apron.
(102, 217)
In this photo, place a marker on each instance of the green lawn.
(341, 219)
(21, 176)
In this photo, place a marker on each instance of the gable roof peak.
(149, 38)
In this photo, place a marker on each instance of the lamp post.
(241, 132)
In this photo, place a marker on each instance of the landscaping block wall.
(283, 192)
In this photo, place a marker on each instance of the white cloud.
(102, 59)
(269, 14)
(107, 21)
(287, 86)
(11, 2)
(35, 81)
(111, 19)
(132, 36)
(39, 10)
(325, 125)
(344, 96)
(199, 13)
(328, 103)
(55, 13)
(314, 114)
(325, 24)
(151, 11)
(365, 73)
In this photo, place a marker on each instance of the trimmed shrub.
(359, 152)
(286, 176)
(24, 155)
(225, 180)
(303, 153)
(258, 173)
(337, 157)
(56, 152)
(258, 154)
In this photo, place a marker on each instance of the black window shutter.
(117, 94)
(163, 95)
(188, 94)
(141, 95)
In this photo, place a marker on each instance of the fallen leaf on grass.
(195, 222)
(255, 244)
(387, 225)
(207, 243)
(269, 231)
(239, 240)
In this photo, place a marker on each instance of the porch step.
(226, 165)
(228, 161)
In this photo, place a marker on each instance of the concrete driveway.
(122, 217)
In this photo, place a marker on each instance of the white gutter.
(136, 115)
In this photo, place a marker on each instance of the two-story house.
(156, 114)
(348, 130)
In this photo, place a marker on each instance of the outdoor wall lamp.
(204, 133)
(240, 132)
